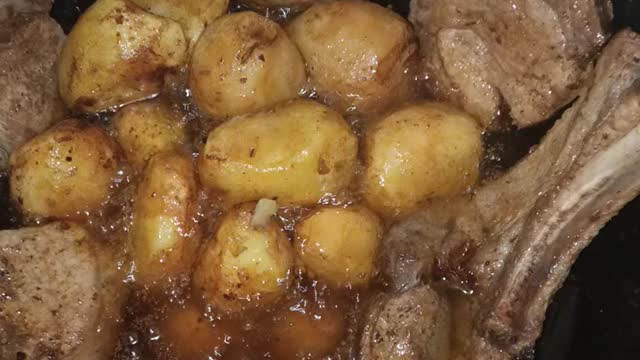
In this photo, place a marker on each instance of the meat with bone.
(525, 229)
(59, 295)
(29, 45)
(527, 56)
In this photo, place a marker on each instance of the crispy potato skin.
(163, 236)
(192, 15)
(296, 152)
(243, 266)
(359, 56)
(63, 172)
(419, 152)
(339, 245)
(117, 53)
(242, 63)
(147, 128)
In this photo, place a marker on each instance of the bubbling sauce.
(173, 322)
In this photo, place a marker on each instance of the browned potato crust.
(359, 55)
(64, 172)
(147, 128)
(339, 245)
(242, 63)
(420, 152)
(117, 53)
(297, 152)
(163, 234)
(192, 15)
(244, 266)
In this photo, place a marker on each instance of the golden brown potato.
(296, 152)
(191, 335)
(310, 335)
(417, 153)
(339, 245)
(146, 128)
(244, 266)
(64, 172)
(192, 15)
(360, 56)
(163, 235)
(117, 53)
(242, 63)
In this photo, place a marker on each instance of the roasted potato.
(117, 53)
(163, 235)
(244, 266)
(339, 245)
(146, 128)
(190, 334)
(296, 152)
(359, 55)
(420, 152)
(311, 334)
(65, 171)
(242, 63)
(192, 15)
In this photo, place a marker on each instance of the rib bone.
(526, 228)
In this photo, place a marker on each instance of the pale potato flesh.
(296, 153)
(417, 153)
(359, 56)
(339, 245)
(242, 63)
(65, 171)
(117, 53)
(163, 234)
(146, 128)
(244, 266)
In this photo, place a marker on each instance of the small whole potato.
(163, 234)
(192, 15)
(244, 266)
(146, 128)
(244, 62)
(417, 153)
(297, 152)
(311, 334)
(339, 245)
(65, 171)
(190, 334)
(117, 53)
(359, 55)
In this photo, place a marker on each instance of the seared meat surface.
(29, 45)
(514, 241)
(526, 57)
(59, 294)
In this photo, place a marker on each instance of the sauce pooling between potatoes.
(169, 313)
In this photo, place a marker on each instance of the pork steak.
(526, 57)
(60, 295)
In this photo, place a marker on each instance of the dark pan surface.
(596, 315)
